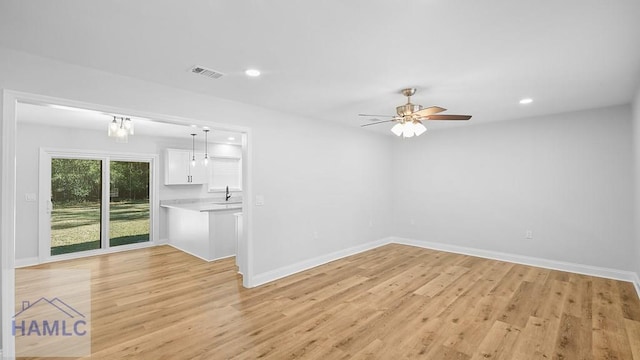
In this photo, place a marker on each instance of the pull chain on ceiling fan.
(410, 116)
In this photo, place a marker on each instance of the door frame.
(10, 100)
(44, 190)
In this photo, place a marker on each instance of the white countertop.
(204, 206)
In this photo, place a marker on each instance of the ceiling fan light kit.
(409, 128)
(410, 116)
(398, 129)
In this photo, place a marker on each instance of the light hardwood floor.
(392, 302)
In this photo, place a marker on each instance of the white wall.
(636, 143)
(567, 177)
(315, 177)
(31, 137)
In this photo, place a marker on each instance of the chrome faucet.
(227, 195)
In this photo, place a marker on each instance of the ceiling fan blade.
(429, 111)
(389, 116)
(448, 117)
(379, 122)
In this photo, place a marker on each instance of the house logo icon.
(49, 318)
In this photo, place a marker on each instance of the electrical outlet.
(412, 221)
(315, 235)
(528, 234)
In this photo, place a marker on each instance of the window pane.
(225, 172)
(76, 188)
(129, 202)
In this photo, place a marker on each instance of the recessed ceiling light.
(231, 138)
(252, 72)
(526, 101)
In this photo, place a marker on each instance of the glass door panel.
(129, 202)
(76, 193)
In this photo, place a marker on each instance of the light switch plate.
(259, 200)
(30, 197)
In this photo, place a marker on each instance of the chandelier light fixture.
(408, 128)
(206, 147)
(120, 128)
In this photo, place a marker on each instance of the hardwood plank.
(498, 343)
(442, 352)
(609, 335)
(445, 279)
(630, 301)
(574, 339)
(579, 297)
(370, 351)
(537, 339)
(552, 298)
(520, 305)
(633, 333)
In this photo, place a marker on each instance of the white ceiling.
(330, 60)
(93, 120)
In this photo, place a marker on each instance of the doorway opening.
(13, 191)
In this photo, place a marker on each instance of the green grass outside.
(76, 227)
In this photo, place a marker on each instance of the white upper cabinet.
(178, 169)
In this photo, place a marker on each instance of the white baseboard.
(188, 252)
(285, 271)
(24, 262)
(198, 256)
(528, 260)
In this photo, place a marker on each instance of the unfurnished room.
(286, 179)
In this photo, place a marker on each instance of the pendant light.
(113, 127)
(128, 126)
(206, 147)
(193, 148)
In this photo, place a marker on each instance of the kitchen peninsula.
(203, 229)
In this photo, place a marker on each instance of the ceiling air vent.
(206, 72)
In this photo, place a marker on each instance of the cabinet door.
(177, 164)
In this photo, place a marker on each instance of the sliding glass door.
(95, 203)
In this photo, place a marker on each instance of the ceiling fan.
(410, 116)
